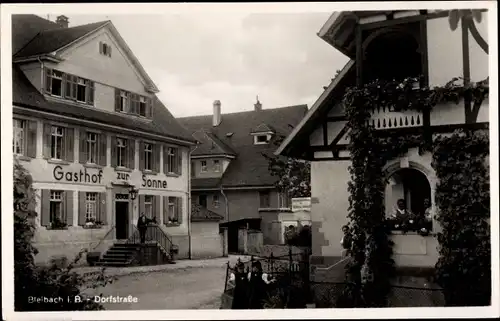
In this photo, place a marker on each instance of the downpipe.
(189, 200)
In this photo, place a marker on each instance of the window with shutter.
(19, 136)
(90, 93)
(32, 141)
(117, 100)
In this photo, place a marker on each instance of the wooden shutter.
(83, 146)
(165, 159)
(69, 144)
(156, 208)
(117, 99)
(67, 85)
(165, 209)
(74, 87)
(149, 107)
(131, 153)
(102, 147)
(157, 157)
(100, 47)
(31, 126)
(45, 215)
(113, 151)
(90, 93)
(48, 81)
(141, 155)
(179, 161)
(109, 51)
(142, 208)
(179, 209)
(47, 141)
(101, 206)
(82, 208)
(68, 196)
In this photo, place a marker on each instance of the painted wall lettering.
(123, 176)
(81, 176)
(154, 183)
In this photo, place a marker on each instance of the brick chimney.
(258, 105)
(217, 114)
(62, 21)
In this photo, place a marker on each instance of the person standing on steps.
(142, 226)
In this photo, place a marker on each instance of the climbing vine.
(463, 197)
(371, 266)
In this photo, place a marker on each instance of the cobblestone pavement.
(180, 286)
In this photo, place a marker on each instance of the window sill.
(92, 227)
(172, 224)
(149, 172)
(23, 158)
(92, 165)
(172, 175)
(123, 169)
(57, 161)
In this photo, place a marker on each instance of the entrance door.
(122, 220)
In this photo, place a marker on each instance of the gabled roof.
(163, 123)
(249, 168)
(26, 26)
(293, 144)
(262, 128)
(200, 214)
(49, 41)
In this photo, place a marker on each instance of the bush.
(303, 238)
(56, 280)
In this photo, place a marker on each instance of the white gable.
(84, 59)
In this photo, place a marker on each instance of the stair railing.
(155, 234)
(101, 244)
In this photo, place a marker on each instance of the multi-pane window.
(148, 156)
(55, 79)
(92, 148)
(283, 200)
(172, 166)
(81, 90)
(91, 206)
(173, 210)
(121, 152)
(56, 207)
(56, 147)
(69, 86)
(203, 166)
(104, 49)
(215, 202)
(19, 134)
(142, 106)
(217, 166)
(123, 101)
(148, 206)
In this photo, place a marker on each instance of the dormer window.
(142, 106)
(123, 101)
(261, 139)
(217, 166)
(134, 104)
(70, 87)
(54, 82)
(104, 49)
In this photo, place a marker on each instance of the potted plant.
(57, 224)
(92, 223)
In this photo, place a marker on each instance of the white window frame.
(91, 206)
(121, 147)
(172, 160)
(203, 166)
(148, 206)
(59, 77)
(82, 83)
(57, 138)
(283, 200)
(257, 142)
(217, 165)
(92, 148)
(172, 209)
(215, 201)
(142, 106)
(19, 136)
(148, 156)
(124, 100)
(56, 197)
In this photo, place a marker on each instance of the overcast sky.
(196, 58)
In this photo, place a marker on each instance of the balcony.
(387, 118)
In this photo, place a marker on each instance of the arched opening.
(393, 55)
(412, 188)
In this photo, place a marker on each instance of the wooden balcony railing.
(385, 118)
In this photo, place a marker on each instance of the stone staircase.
(120, 255)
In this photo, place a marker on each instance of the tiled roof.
(199, 183)
(25, 95)
(50, 40)
(249, 168)
(200, 213)
(262, 128)
(26, 26)
(209, 144)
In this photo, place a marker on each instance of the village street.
(196, 284)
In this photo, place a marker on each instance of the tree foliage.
(371, 265)
(293, 175)
(463, 198)
(53, 280)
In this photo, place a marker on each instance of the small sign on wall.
(301, 204)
